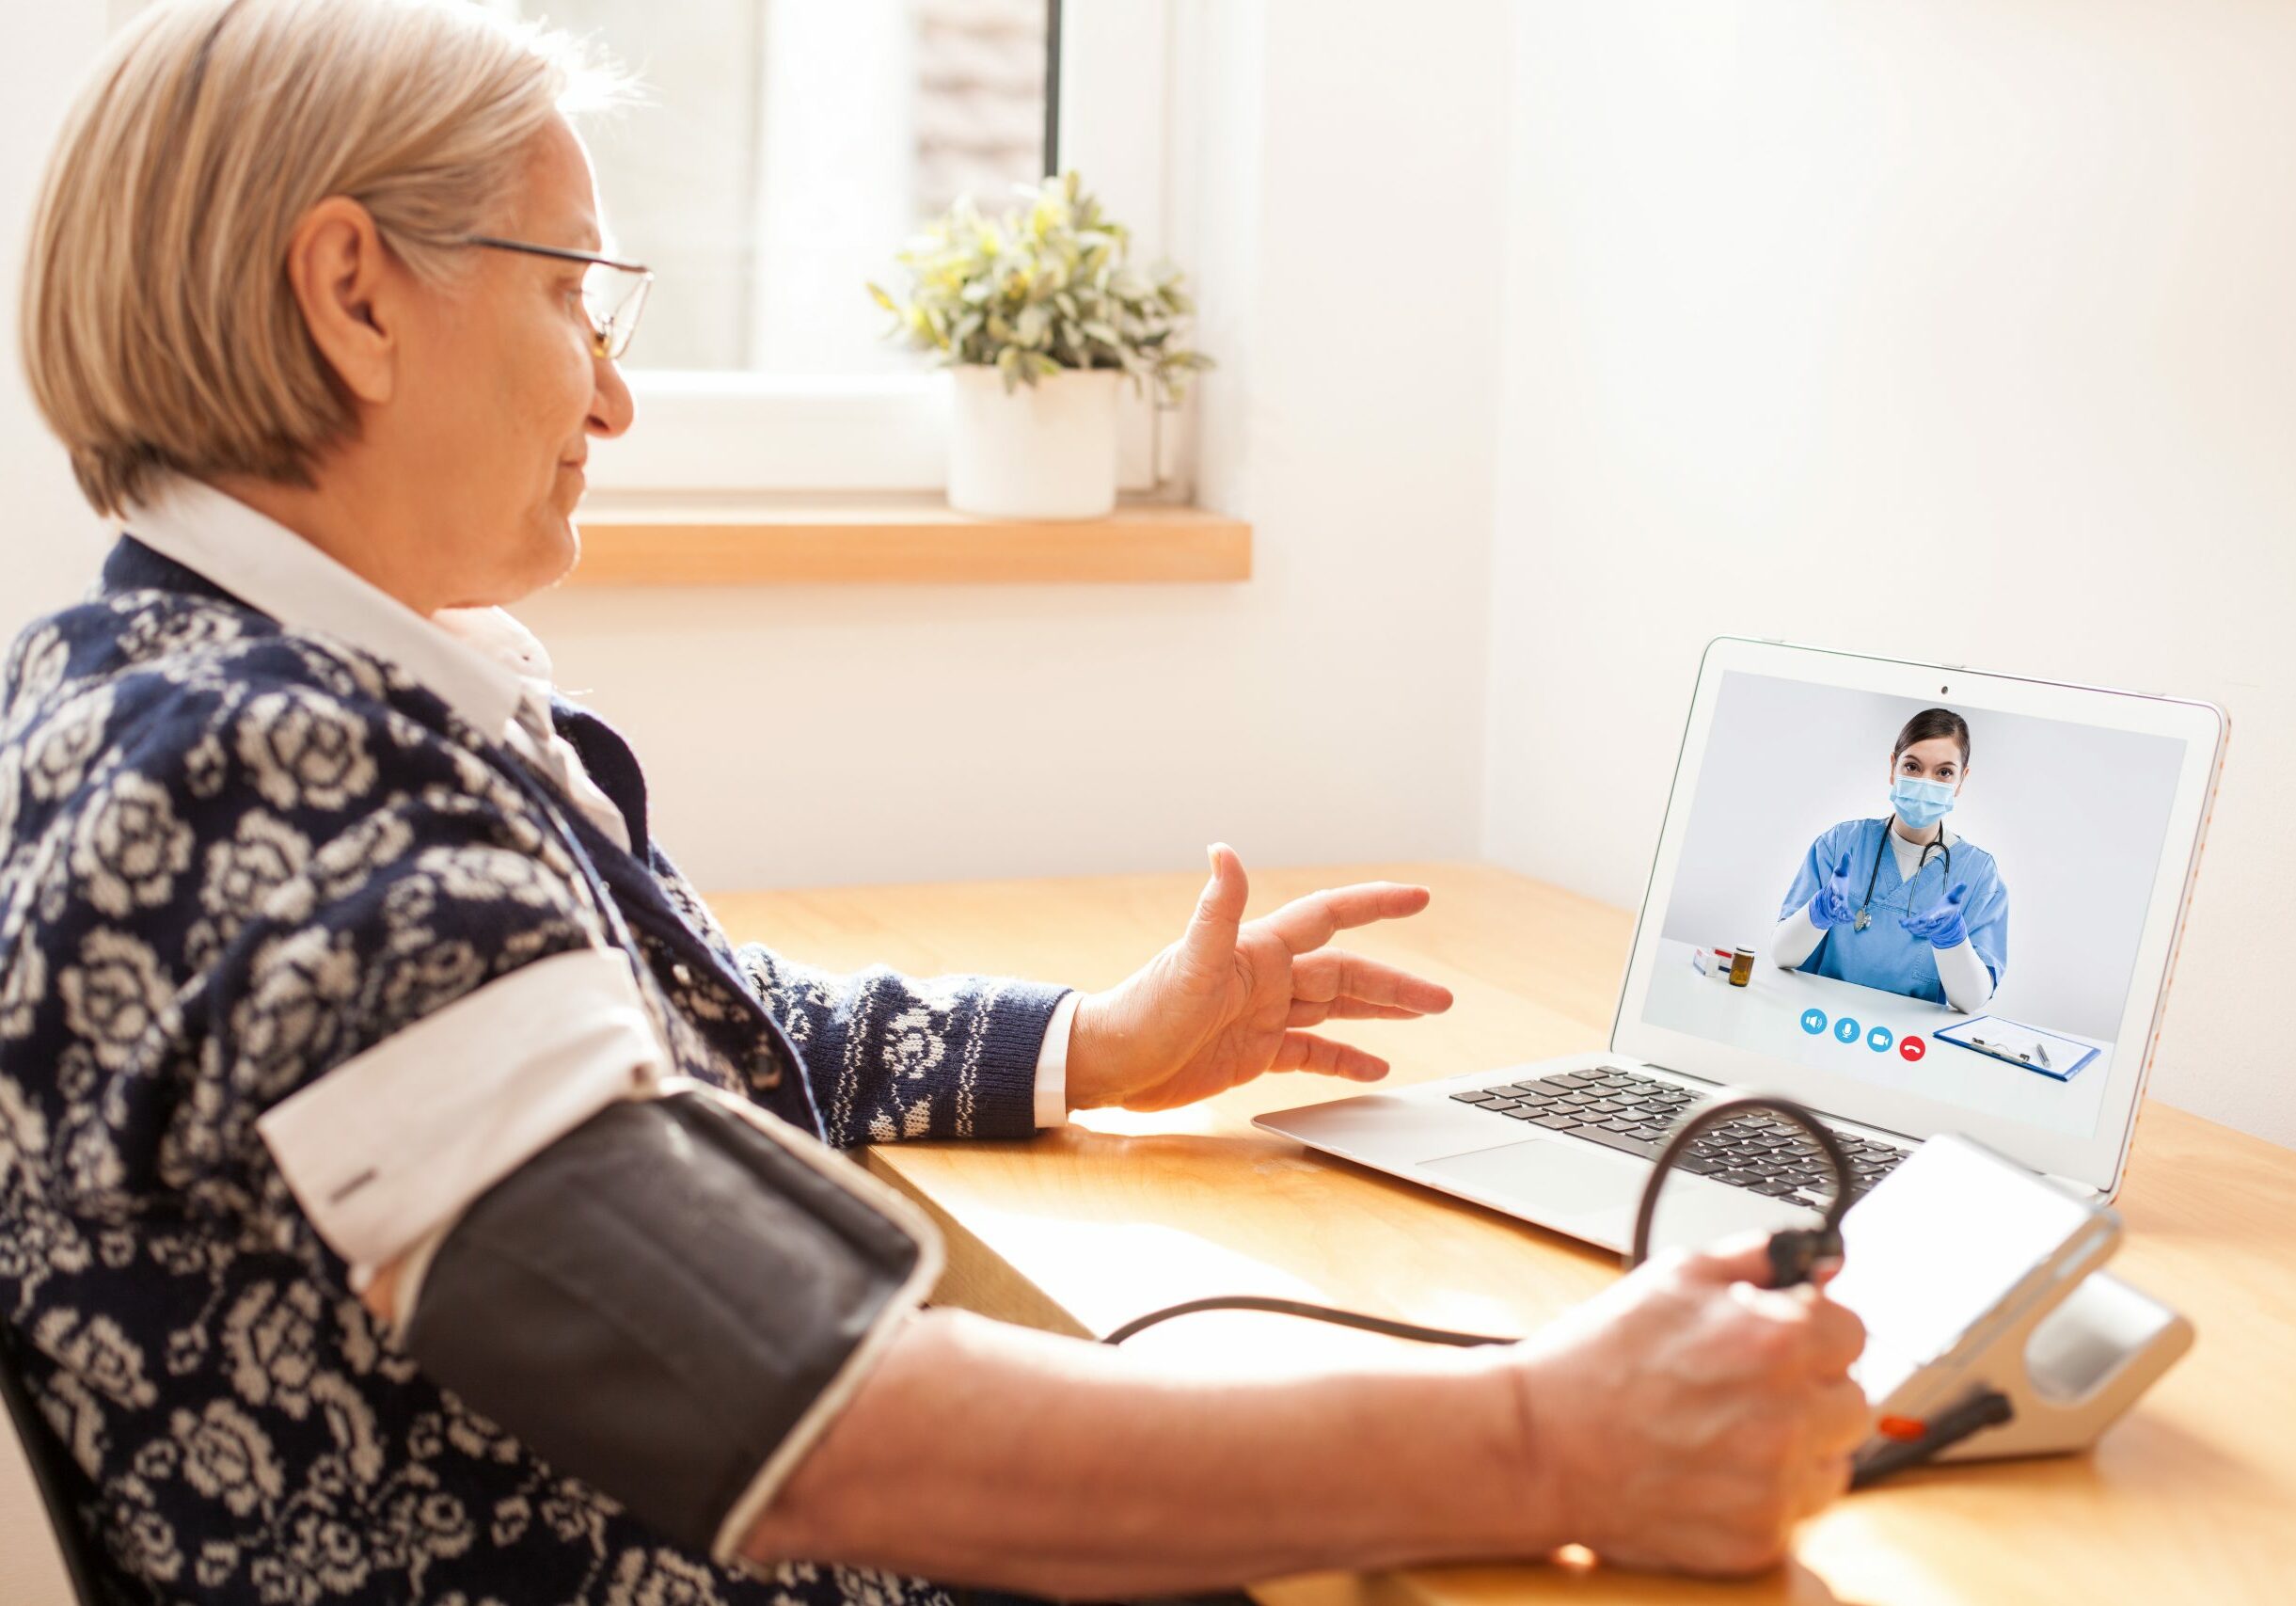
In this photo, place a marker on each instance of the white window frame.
(731, 432)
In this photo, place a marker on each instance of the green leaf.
(1045, 286)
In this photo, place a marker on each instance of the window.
(782, 153)
(784, 148)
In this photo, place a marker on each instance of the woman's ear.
(340, 273)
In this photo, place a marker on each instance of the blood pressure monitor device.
(1991, 1331)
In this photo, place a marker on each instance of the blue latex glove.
(1941, 921)
(1832, 907)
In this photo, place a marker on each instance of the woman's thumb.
(1219, 907)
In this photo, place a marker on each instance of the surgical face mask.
(1920, 803)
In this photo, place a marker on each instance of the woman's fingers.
(1305, 1051)
(1305, 923)
(1839, 1420)
(1305, 1013)
(1330, 978)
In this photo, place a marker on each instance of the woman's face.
(505, 394)
(1937, 759)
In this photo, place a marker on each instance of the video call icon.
(1881, 1038)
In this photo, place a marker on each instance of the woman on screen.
(1902, 903)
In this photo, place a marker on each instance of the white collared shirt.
(487, 667)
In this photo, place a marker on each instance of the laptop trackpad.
(1577, 1187)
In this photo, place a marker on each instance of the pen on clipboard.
(2036, 1055)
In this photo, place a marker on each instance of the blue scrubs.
(1885, 954)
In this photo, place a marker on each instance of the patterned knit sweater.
(233, 857)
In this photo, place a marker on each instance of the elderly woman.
(408, 1190)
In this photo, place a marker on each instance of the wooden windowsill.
(883, 540)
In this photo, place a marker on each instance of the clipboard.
(2029, 1048)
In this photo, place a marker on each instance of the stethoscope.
(1866, 916)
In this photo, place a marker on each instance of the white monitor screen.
(1930, 1253)
(1941, 900)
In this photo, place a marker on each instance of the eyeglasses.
(614, 292)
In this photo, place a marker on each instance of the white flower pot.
(1046, 451)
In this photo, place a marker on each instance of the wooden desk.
(2192, 1498)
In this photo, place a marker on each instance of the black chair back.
(58, 1478)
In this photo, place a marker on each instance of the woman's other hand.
(1687, 1418)
(1230, 1000)
(1941, 923)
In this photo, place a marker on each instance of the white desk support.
(2074, 1370)
(1956, 1228)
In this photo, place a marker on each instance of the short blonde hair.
(160, 330)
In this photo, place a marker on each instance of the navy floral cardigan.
(231, 857)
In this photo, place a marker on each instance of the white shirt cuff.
(1053, 1064)
(387, 1150)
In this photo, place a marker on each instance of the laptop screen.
(1921, 896)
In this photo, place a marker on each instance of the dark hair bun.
(1928, 726)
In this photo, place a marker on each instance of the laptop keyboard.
(1634, 1113)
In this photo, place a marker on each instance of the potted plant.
(1039, 317)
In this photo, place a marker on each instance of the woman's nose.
(613, 409)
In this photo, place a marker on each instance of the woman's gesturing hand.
(1230, 1000)
(1831, 907)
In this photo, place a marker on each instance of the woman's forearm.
(1963, 974)
(977, 1453)
(1794, 940)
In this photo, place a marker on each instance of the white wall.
(1329, 709)
(1958, 331)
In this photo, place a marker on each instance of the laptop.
(2074, 833)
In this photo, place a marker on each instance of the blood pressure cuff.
(671, 1302)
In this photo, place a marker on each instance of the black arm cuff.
(658, 1300)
